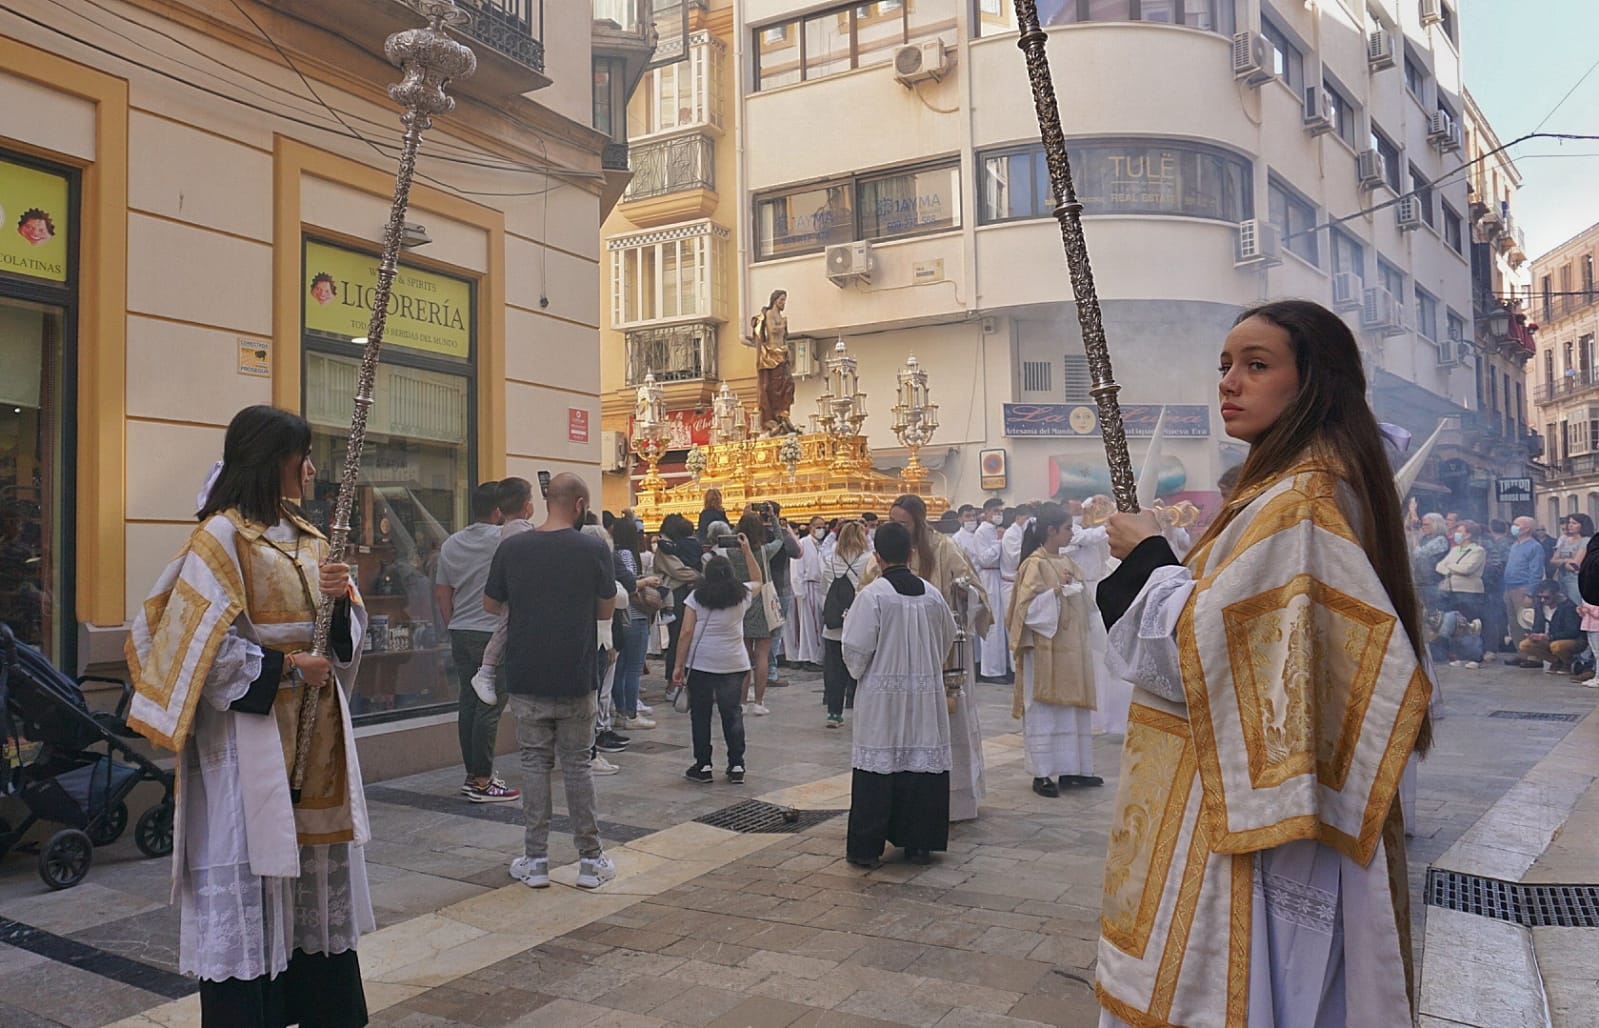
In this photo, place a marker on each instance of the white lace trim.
(1296, 902)
(887, 760)
(237, 664)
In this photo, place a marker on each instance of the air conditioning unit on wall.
(1347, 290)
(1259, 242)
(1252, 61)
(1409, 213)
(850, 262)
(613, 451)
(1318, 111)
(1380, 49)
(918, 62)
(1382, 313)
(1368, 166)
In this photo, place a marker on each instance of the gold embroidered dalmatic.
(1063, 666)
(1304, 697)
(228, 573)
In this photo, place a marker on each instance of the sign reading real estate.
(1082, 419)
(33, 222)
(427, 311)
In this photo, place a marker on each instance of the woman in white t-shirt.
(711, 656)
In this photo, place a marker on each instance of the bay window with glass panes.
(846, 37)
(995, 16)
(690, 93)
(672, 274)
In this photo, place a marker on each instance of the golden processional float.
(824, 471)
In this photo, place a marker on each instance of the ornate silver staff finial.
(1069, 213)
(430, 58)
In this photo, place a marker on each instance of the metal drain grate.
(1533, 715)
(754, 816)
(1531, 906)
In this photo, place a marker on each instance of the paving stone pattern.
(1000, 930)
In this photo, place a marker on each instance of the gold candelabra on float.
(732, 431)
(915, 418)
(841, 409)
(650, 432)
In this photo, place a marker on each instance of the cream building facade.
(1565, 376)
(208, 238)
(668, 246)
(894, 187)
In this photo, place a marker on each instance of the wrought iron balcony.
(1579, 381)
(673, 353)
(515, 28)
(672, 166)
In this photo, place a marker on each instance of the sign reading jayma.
(427, 311)
(1081, 420)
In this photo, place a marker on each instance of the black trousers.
(725, 692)
(907, 808)
(316, 991)
(838, 688)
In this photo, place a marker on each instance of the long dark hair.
(1329, 420)
(1050, 515)
(751, 527)
(624, 533)
(258, 442)
(921, 546)
(721, 588)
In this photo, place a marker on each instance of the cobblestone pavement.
(709, 926)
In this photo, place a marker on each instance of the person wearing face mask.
(810, 592)
(1523, 572)
(994, 651)
(1461, 597)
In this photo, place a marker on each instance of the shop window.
(1114, 177)
(417, 467)
(37, 387)
(672, 274)
(909, 203)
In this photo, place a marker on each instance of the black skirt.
(315, 991)
(907, 808)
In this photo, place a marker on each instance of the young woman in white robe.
(272, 893)
(1281, 684)
(1048, 624)
(995, 657)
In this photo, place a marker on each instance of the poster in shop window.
(33, 222)
(427, 311)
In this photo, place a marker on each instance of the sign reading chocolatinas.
(1081, 420)
(427, 311)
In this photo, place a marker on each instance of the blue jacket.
(1524, 567)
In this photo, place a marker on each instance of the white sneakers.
(592, 872)
(638, 723)
(483, 684)
(757, 709)
(600, 766)
(532, 872)
(1592, 683)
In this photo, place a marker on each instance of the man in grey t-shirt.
(458, 588)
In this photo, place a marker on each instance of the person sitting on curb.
(1556, 631)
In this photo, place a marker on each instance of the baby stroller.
(50, 759)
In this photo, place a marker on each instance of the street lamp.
(915, 418)
(1499, 324)
(650, 432)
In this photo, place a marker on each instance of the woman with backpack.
(841, 576)
(712, 660)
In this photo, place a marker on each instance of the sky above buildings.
(1520, 57)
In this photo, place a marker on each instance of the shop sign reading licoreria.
(427, 311)
(33, 222)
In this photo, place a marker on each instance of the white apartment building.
(896, 189)
(1565, 376)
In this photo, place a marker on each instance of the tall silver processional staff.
(430, 59)
(1068, 212)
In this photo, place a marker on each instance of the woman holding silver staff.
(273, 894)
(1281, 687)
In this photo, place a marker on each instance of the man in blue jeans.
(553, 584)
(458, 592)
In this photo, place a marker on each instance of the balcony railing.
(1581, 464)
(674, 353)
(1580, 381)
(513, 27)
(672, 166)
